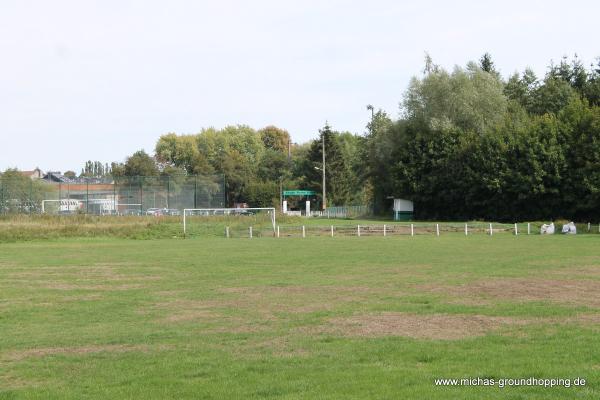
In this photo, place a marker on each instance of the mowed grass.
(314, 318)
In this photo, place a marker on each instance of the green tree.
(275, 138)
(140, 164)
(339, 179)
(181, 154)
(469, 99)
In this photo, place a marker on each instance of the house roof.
(56, 177)
(31, 173)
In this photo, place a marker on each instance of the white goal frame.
(228, 211)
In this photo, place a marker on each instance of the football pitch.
(314, 318)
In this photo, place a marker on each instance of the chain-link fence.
(130, 195)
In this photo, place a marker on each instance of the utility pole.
(281, 192)
(324, 205)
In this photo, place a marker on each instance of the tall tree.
(140, 164)
(275, 138)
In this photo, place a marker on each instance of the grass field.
(315, 318)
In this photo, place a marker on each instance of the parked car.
(171, 211)
(241, 211)
(132, 211)
(154, 211)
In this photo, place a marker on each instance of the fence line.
(133, 195)
(413, 229)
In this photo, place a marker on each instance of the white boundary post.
(277, 230)
(466, 230)
(303, 231)
(491, 229)
(529, 228)
(384, 230)
(227, 232)
(437, 229)
(589, 226)
(412, 230)
(516, 230)
(331, 230)
(358, 230)
(250, 232)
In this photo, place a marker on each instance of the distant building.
(56, 177)
(35, 174)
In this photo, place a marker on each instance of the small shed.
(403, 210)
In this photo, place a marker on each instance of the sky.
(98, 80)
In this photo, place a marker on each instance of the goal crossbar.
(227, 211)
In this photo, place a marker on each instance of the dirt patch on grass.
(583, 271)
(85, 297)
(18, 355)
(4, 264)
(303, 299)
(189, 315)
(584, 319)
(279, 347)
(436, 326)
(262, 303)
(78, 286)
(183, 310)
(570, 291)
(82, 273)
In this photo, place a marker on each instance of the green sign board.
(299, 193)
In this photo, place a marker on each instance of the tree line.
(468, 144)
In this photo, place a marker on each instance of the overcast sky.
(99, 80)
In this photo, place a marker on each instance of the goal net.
(229, 222)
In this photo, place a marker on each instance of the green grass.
(17, 228)
(266, 318)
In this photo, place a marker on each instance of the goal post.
(229, 215)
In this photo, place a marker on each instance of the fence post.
(331, 230)
(412, 230)
(227, 232)
(168, 189)
(516, 230)
(250, 232)
(358, 230)
(195, 191)
(589, 226)
(529, 228)
(466, 230)
(277, 230)
(141, 195)
(384, 231)
(303, 231)
(491, 229)
(437, 229)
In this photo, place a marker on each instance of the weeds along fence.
(131, 195)
(393, 229)
(344, 212)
